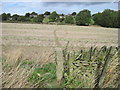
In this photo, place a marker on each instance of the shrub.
(89, 67)
(34, 20)
(45, 74)
(69, 20)
(92, 22)
(46, 20)
(61, 23)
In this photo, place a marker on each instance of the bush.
(92, 22)
(46, 20)
(45, 74)
(85, 67)
(69, 20)
(61, 23)
(34, 20)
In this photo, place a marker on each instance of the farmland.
(43, 35)
(33, 45)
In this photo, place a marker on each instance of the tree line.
(107, 18)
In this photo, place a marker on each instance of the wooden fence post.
(60, 62)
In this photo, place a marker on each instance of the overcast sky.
(61, 7)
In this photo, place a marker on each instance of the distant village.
(45, 15)
(107, 18)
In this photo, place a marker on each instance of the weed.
(45, 74)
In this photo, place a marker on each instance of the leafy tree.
(0, 18)
(33, 13)
(92, 22)
(15, 17)
(108, 18)
(53, 17)
(115, 19)
(74, 13)
(27, 15)
(46, 20)
(21, 18)
(8, 15)
(47, 13)
(97, 18)
(34, 19)
(4, 16)
(40, 18)
(62, 14)
(83, 17)
(69, 19)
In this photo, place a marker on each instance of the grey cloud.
(72, 3)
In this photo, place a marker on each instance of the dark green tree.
(21, 18)
(53, 17)
(0, 18)
(69, 19)
(8, 15)
(34, 20)
(40, 18)
(27, 15)
(34, 13)
(83, 17)
(108, 18)
(4, 16)
(74, 13)
(97, 18)
(115, 21)
(47, 13)
(15, 17)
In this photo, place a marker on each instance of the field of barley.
(28, 48)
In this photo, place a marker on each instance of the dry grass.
(112, 73)
(16, 77)
(13, 57)
(36, 42)
(43, 35)
(14, 74)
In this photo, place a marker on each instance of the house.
(10, 19)
(33, 15)
(61, 16)
(46, 16)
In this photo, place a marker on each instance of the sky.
(60, 7)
